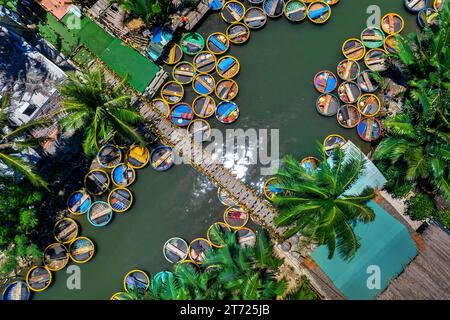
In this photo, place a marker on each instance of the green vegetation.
(317, 205)
(229, 273)
(12, 143)
(154, 12)
(99, 111)
(11, 4)
(415, 155)
(18, 221)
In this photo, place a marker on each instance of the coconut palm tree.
(93, 107)
(418, 141)
(318, 206)
(14, 142)
(230, 272)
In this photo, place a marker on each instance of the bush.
(444, 217)
(421, 206)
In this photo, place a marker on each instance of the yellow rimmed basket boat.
(228, 67)
(138, 156)
(96, 182)
(255, 18)
(246, 237)
(332, 141)
(199, 130)
(236, 217)
(353, 49)
(238, 33)
(120, 199)
(136, 280)
(38, 278)
(218, 43)
(226, 89)
(198, 249)
(172, 92)
(65, 230)
(369, 105)
(123, 175)
(81, 250)
(204, 62)
(204, 106)
(217, 234)
(161, 105)
(56, 256)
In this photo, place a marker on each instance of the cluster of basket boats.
(106, 191)
(211, 71)
(177, 251)
(355, 103)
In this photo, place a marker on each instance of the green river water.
(276, 92)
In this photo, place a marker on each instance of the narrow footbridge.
(192, 152)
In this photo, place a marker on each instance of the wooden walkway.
(192, 152)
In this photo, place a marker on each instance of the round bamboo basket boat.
(198, 249)
(204, 106)
(349, 92)
(181, 114)
(199, 130)
(376, 60)
(173, 55)
(218, 43)
(38, 278)
(204, 84)
(295, 10)
(271, 188)
(161, 105)
(183, 72)
(353, 49)
(172, 92)
(65, 230)
(226, 89)
(392, 23)
(369, 129)
(390, 44)
(236, 217)
(325, 81)
(348, 116)
(109, 156)
(238, 33)
(217, 234)
(205, 62)
(369, 105)
(367, 82)
(96, 182)
(227, 112)
(273, 8)
(372, 37)
(123, 175)
(327, 104)
(120, 199)
(310, 164)
(415, 5)
(232, 11)
(331, 142)
(255, 18)
(138, 157)
(56, 257)
(192, 43)
(427, 17)
(162, 158)
(228, 67)
(100, 214)
(319, 12)
(81, 250)
(136, 280)
(348, 70)
(79, 202)
(246, 237)
(16, 291)
(121, 296)
(175, 250)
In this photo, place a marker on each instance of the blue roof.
(385, 243)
